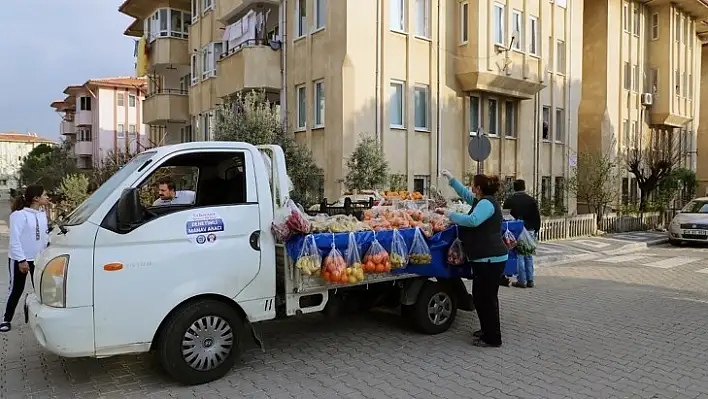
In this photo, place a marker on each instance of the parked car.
(691, 223)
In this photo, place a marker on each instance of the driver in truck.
(168, 195)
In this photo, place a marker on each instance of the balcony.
(166, 51)
(67, 127)
(226, 10)
(252, 65)
(166, 106)
(84, 118)
(83, 148)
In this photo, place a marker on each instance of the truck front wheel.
(435, 308)
(200, 342)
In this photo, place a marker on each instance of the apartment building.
(102, 117)
(14, 147)
(702, 139)
(422, 76)
(642, 87)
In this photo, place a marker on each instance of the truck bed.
(289, 280)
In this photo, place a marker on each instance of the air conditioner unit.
(647, 99)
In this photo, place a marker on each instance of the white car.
(691, 224)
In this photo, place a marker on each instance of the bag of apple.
(376, 259)
(456, 252)
(399, 251)
(509, 239)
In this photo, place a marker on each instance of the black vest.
(485, 240)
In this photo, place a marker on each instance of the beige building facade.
(422, 76)
(642, 87)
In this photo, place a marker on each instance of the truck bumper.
(64, 332)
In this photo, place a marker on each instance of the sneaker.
(484, 344)
(529, 284)
(477, 334)
(518, 284)
(5, 326)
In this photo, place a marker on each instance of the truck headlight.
(52, 284)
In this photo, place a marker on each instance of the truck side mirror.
(130, 211)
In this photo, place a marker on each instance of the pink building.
(103, 117)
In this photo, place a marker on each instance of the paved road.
(633, 327)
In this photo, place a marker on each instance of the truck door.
(200, 242)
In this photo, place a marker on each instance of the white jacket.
(23, 234)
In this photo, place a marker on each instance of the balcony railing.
(183, 92)
(166, 105)
(246, 43)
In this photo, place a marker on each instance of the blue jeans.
(524, 266)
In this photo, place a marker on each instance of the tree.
(107, 167)
(47, 165)
(652, 164)
(398, 182)
(368, 168)
(74, 190)
(251, 118)
(594, 181)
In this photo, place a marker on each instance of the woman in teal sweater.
(481, 234)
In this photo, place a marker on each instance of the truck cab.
(124, 276)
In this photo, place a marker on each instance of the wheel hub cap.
(439, 308)
(207, 343)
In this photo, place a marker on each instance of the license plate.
(696, 232)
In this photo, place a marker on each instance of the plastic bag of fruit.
(334, 267)
(419, 253)
(509, 239)
(279, 227)
(456, 252)
(399, 251)
(376, 259)
(297, 221)
(310, 261)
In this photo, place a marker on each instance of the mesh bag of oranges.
(399, 251)
(334, 267)
(376, 259)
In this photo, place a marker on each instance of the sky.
(48, 45)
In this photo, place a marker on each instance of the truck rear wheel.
(435, 309)
(200, 342)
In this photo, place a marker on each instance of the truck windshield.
(88, 207)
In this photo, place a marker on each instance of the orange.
(380, 268)
(387, 267)
(326, 276)
(344, 279)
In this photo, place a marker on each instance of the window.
(422, 18)
(655, 26)
(186, 134)
(517, 27)
(421, 184)
(690, 86)
(635, 135)
(131, 130)
(493, 114)
(560, 56)
(320, 14)
(194, 63)
(533, 35)
(301, 107)
(120, 133)
(397, 104)
(627, 76)
(421, 103)
(398, 15)
(635, 78)
(545, 191)
(301, 19)
(546, 123)
(559, 195)
(167, 22)
(499, 26)
(684, 79)
(637, 20)
(561, 3)
(84, 134)
(120, 100)
(560, 125)
(625, 191)
(319, 104)
(184, 83)
(85, 104)
(464, 22)
(653, 80)
(475, 115)
(210, 54)
(625, 133)
(677, 27)
(625, 17)
(633, 190)
(510, 121)
(677, 82)
(131, 100)
(195, 10)
(208, 5)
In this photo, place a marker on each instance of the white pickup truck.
(187, 281)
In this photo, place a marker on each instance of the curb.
(552, 260)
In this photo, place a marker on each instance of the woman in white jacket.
(28, 237)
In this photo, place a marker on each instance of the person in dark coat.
(524, 207)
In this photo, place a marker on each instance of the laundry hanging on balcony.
(241, 32)
(141, 59)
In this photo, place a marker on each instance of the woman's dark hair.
(488, 184)
(25, 200)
